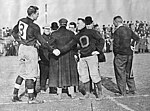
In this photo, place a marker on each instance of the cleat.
(16, 99)
(35, 101)
(23, 94)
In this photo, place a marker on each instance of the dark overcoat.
(63, 69)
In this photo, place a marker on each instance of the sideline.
(77, 99)
(122, 105)
(119, 104)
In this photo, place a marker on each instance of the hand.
(76, 58)
(56, 52)
(132, 48)
(95, 52)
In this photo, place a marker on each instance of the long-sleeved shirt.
(124, 38)
(28, 33)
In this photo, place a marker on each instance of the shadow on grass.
(109, 84)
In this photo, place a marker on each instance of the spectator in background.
(104, 29)
(96, 27)
(44, 60)
(73, 27)
(54, 26)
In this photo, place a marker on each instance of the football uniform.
(27, 34)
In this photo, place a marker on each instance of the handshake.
(56, 52)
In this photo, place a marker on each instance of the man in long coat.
(63, 69)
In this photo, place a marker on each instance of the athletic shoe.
(35, 101)
(16, 99)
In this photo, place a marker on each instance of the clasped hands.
(56, 52)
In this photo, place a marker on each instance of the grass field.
(138, 102)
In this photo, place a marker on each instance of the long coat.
(63, 69)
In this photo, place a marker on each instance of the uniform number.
(84, 41)
(23, 29)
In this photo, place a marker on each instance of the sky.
(102, 11)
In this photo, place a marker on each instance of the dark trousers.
(124, 73)
(44, 73)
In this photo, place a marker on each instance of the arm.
(100, 44)
(99, 40)
(42, 41)
(116, 42)
(135, 38)
(69, 45)
(16, 34)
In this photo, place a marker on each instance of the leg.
(59, 92)
(19, 81)
(84, 76)
(100, 95)
(120, 73)
(30, 90)
(129, 75)
(44, 71)
(71, 91)
(87, 90)
(96, 76)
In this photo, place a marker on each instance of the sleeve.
(100, 43)
(69, 45)
(96, 34)
(15, 33)
(116, 42)
(99, 40)
(42, 41)
(135, 38)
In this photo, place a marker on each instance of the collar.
(30, 19)
(62, 27)
(82, 30)
(119, 26)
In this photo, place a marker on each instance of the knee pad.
(19, 80)
(29, 84)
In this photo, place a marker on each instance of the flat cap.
(63, 21)
(88, 20)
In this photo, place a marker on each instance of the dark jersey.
(28, 33)
(88, 39)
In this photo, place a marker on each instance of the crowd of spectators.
(142, 28)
